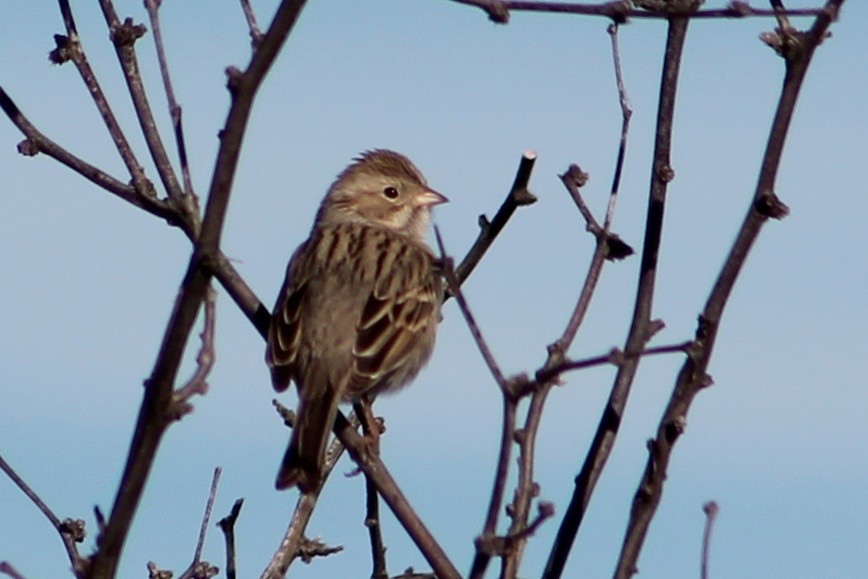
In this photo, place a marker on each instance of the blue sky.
(89, 282)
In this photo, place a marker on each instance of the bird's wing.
(395, 331)
(284, 333)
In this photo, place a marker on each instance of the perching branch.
(153, 417)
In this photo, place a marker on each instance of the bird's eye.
(390, 193)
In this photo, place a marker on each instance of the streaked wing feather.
(284, 333)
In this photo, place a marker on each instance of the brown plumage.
(357, 314)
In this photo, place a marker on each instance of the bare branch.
(711, 510)
(290, 545)
(205, 359)
(453, 285)
(642, 327)
(70, 531)
(143, 198)
(518, 196)
(175, 112)
(255, 33)
(374, 468)
(372, 428)
(619, 10)
(124, 36)
(69, 48)
(227, 525)
(692, 377)
(153, 416)
(7, 569)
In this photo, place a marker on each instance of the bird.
(358, 311)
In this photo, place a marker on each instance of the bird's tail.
(305, 457)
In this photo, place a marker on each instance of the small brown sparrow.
(358, 312)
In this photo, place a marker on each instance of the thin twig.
(205, 359)
(518, 196)
(615, 356)
(781, 15)
(692, 377)
(199, 568)
(453, 285)
(372, 429)
(626, 115)
(372, 466)
(7, 568)
(175, 111)
(292, 540)
(38, 143)
(206, 518)
(711, 509)
(124, 36)
(69, 48)
(70, 531)
(227, 525)
(642, 327)
(255, 33)
(618, 10)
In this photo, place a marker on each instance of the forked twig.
(71, 531)
(227, 525)
(692, 377)
(153, 417)
(255, 32)
(642, 326)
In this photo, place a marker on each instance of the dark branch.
(153, 416)
(518, 196)
(7, 569)
(692, 377)
(620, 10)
(642, 327)
(227, 525)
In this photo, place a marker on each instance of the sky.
(89, 281)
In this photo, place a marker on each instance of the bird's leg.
(372, 427)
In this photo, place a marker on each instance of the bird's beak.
(429, 198)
